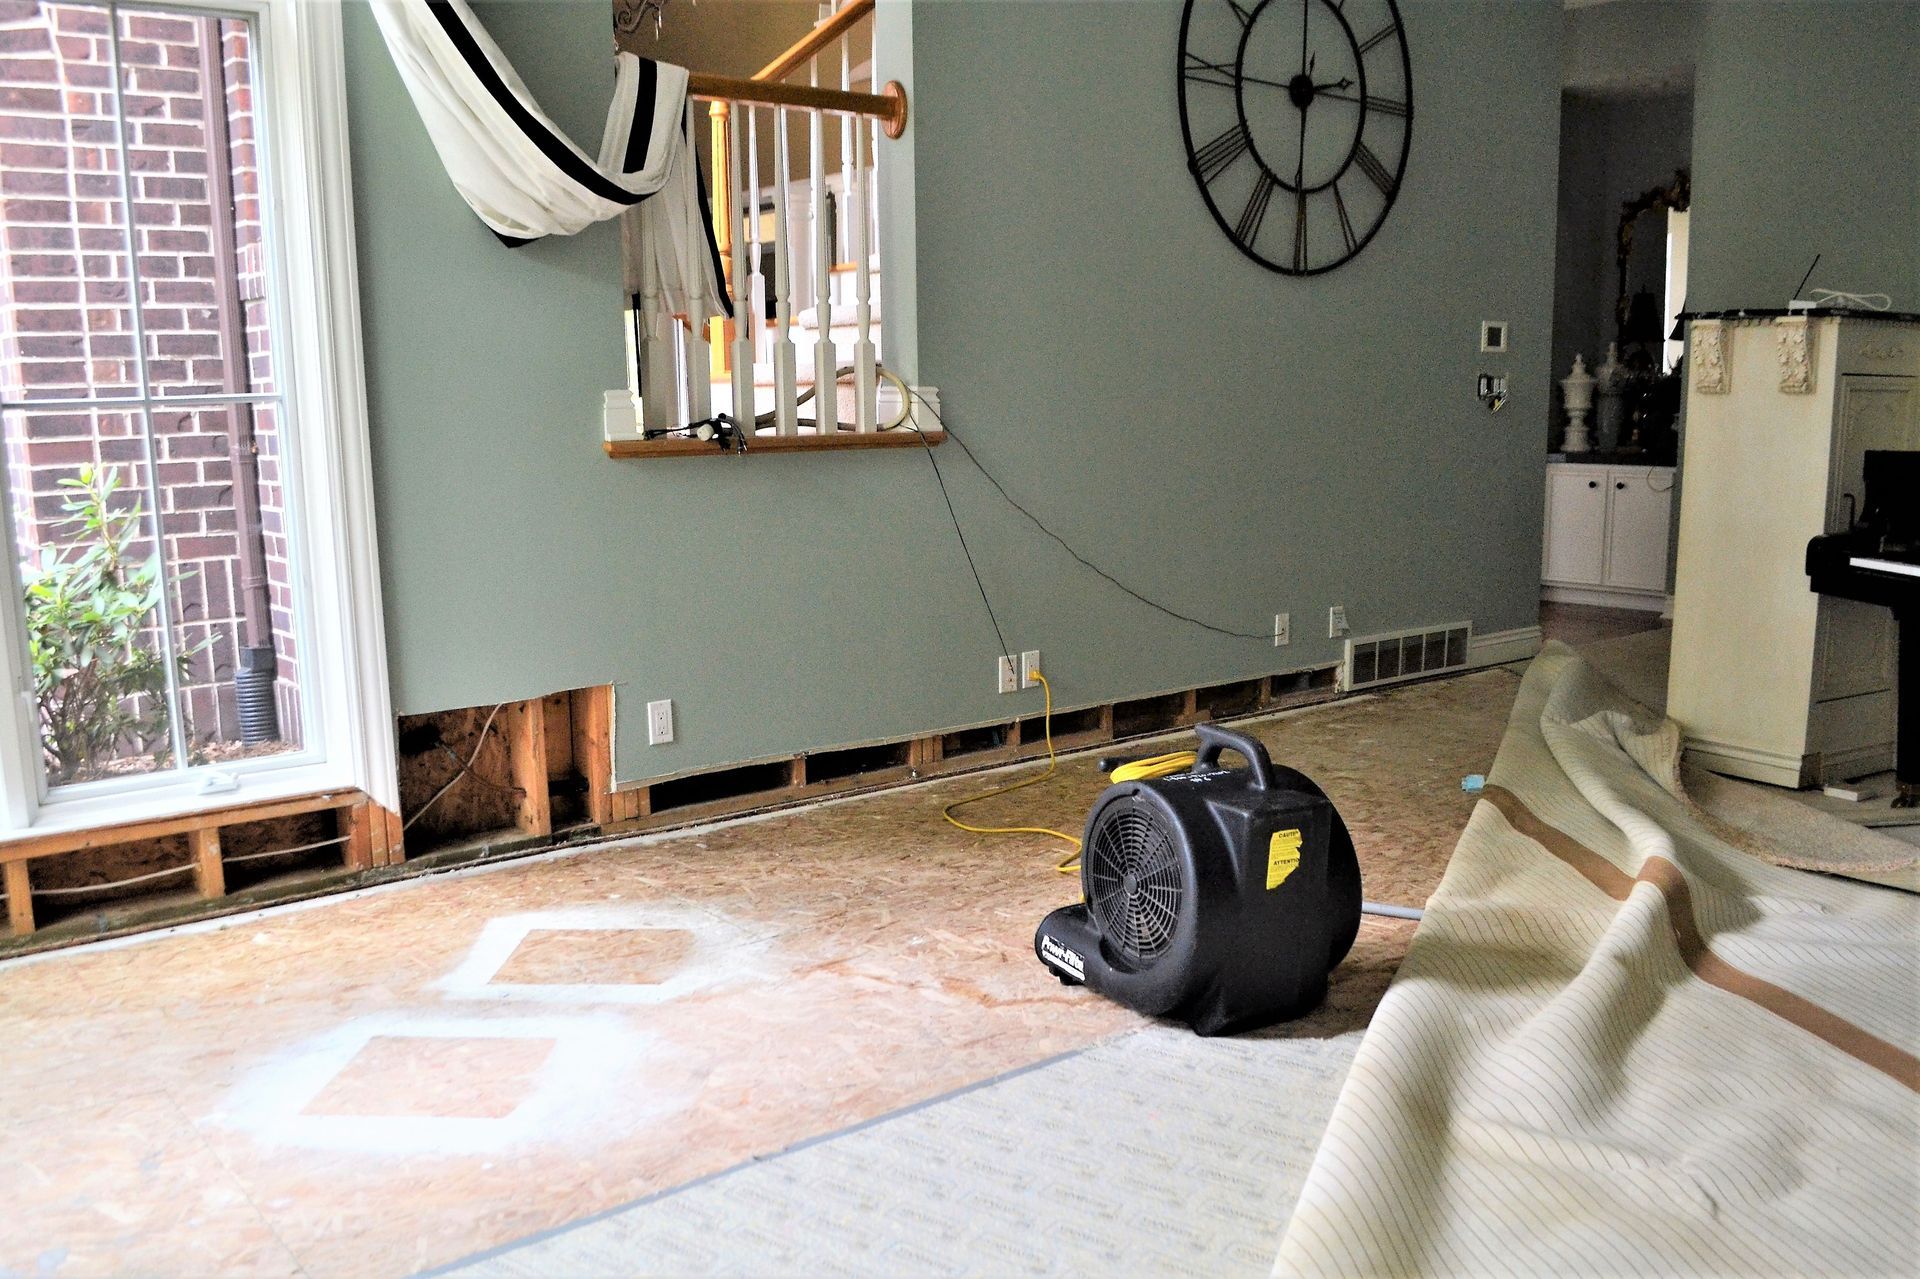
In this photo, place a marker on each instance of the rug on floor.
(1153, 1153)
(1621, 1045)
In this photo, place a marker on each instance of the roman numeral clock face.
(1297, 116)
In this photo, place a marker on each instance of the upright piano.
(1877, 561)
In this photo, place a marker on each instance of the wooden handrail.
(815, 40)
(889, 106)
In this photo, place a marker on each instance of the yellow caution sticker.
(1283, 857)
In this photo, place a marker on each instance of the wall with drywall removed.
(1231, 441)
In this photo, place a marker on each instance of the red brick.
(21, 39)
(23, 155)
(59, 347)
(32, 127)
(204, 548)
(168, 187)
(148, 26)
(29, 70)
(29, 292)
(46, 101)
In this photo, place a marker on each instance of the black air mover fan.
(1221, 897)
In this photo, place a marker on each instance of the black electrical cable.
(941, 480)
(1064, 544)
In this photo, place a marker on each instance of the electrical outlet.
(660, 722)
(1282, 629)
(1029, 667)
(1005, 674)
(1336, 621)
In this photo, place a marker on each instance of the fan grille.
(1135, 881)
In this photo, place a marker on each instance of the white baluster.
(786, 393)
(865, 380)
(826, 396)
(659, 362)
(757, 284)
(742, 352)
(699, 357)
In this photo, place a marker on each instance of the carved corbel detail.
(1707, 351)
(1795, 337)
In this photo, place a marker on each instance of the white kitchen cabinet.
(1606, 534)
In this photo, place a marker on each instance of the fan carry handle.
(1213, 740)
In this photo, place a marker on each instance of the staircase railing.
(686, 376)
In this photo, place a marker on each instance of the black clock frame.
(1248, 18)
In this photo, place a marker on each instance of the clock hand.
(1275, 84)
(1306, 7)
(1331, 92)
(1300, 165)
(1344, 82)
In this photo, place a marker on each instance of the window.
(173, 469)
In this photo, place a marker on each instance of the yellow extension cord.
(1157, 766)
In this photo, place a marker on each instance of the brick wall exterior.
(67, 328)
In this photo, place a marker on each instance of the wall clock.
(1297, 116)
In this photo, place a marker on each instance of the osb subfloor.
(396, 1080)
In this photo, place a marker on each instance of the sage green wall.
(1229, 440)
(1806, 140)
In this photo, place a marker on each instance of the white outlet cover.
(660, 722)
(1005, 675)
(1282, 629)
(1029, 667)
(1336, 621)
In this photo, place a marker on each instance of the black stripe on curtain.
(706, 221)
(640, 136)
(563, 157)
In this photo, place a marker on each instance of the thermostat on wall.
(1493, 337)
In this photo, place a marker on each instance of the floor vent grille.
(1404, 655)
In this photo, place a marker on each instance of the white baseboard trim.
(1607, 599)
(1836, 766)
(1497, 648)
(1750, 762)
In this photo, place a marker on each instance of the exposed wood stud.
(362, 836)
(925, 752)
(19, 898)
(527, 761)
(592, 732)
(558, 708)
(209, 873)
(396, 836)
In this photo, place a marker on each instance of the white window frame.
(301, 115)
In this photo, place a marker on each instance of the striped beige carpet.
(1620, 1045)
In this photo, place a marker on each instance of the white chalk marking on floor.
(566, 1100)
(723, 951)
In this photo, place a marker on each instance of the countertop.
(1615, 457)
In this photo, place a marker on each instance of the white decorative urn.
(1578, 388)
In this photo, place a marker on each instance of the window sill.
(678, 447)
(97, 821)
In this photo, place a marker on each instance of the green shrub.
(96, 684)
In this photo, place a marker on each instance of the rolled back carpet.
(1622, 1045)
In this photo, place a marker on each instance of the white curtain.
(526, 179)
